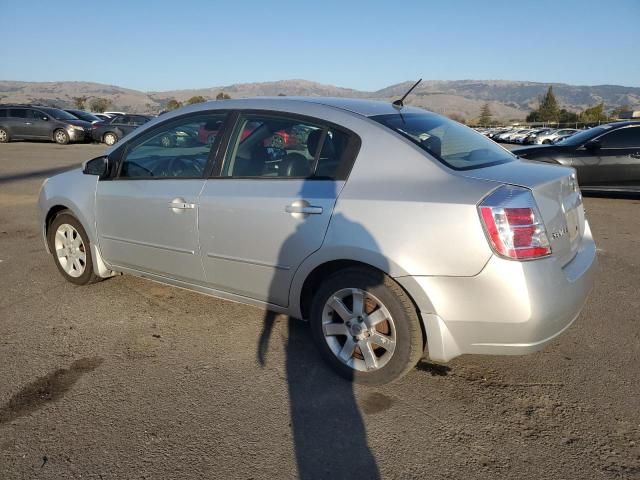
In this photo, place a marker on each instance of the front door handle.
(27, 123)
(302, 208)
(179, 205)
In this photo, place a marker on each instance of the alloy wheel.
(359, 329)
(70, 250)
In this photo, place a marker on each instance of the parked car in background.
(34, 122)
(112, 130)
(531, 137)
(606, 158)
(551, 136)
(102, 116)
(496, 259)
(82, 115)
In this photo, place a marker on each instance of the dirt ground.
(129, 379)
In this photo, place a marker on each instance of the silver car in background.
(392, 230)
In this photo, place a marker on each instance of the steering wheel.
(182, 165)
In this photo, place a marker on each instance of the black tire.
(547, 142)
(4, 136)
(409, 339)
(88, 276)
(106, 138)
(60, 137)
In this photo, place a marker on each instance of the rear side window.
(286, 147)
(628, 137)
(453, 144)
(4, 112)
(18, 113)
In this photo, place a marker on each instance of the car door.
(38, 124)
(119, 125)
(147, 214)
(619, 152)
(18, 122)
(269, 205)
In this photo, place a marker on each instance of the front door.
(147, 216)
(613, 163)
(271, 204)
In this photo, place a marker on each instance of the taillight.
(513, 224)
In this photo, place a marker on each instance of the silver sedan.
(394, 231)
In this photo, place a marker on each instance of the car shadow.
(47, 172)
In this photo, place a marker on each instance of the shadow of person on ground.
(329, 434)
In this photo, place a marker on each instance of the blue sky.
(162, 45)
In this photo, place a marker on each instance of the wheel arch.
(322, 271)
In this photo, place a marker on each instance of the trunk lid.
(557, 195)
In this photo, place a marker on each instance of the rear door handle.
(27, 123)
(179, 204)
(302, 208)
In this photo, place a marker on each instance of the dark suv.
(33, 122)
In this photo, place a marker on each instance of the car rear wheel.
(4, 136)
(109, 138)
(61, 137)
(71, 249)
(366, 326)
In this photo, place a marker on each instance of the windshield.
(583, 136)
(84, 116)
(59, 114)
(455, 145)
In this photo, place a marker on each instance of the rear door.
(269, 205)
(18, 122)
(147, 214)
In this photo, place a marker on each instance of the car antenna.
(400, 102)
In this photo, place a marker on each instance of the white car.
(550, 137)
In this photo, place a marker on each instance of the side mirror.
(96, 166)
(592, 145)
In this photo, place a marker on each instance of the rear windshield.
(455, 145)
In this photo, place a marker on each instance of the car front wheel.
(61, 137)
(110, 138)
(71, 249)
(366, 326)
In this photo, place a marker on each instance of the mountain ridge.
(508, 99)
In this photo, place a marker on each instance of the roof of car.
(361, 106)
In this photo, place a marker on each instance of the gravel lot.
(131, 379)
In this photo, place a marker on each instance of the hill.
(508, 99)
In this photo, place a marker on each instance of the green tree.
(549, 110)
(196, 99)
(281, 95)
(79, 102)
(594, 114)
(99, 104)
(485, 115)
(222, 96)
(565, 116)
(173, 104)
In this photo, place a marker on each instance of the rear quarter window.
(453, 144)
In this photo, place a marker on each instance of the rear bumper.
(510, 308)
